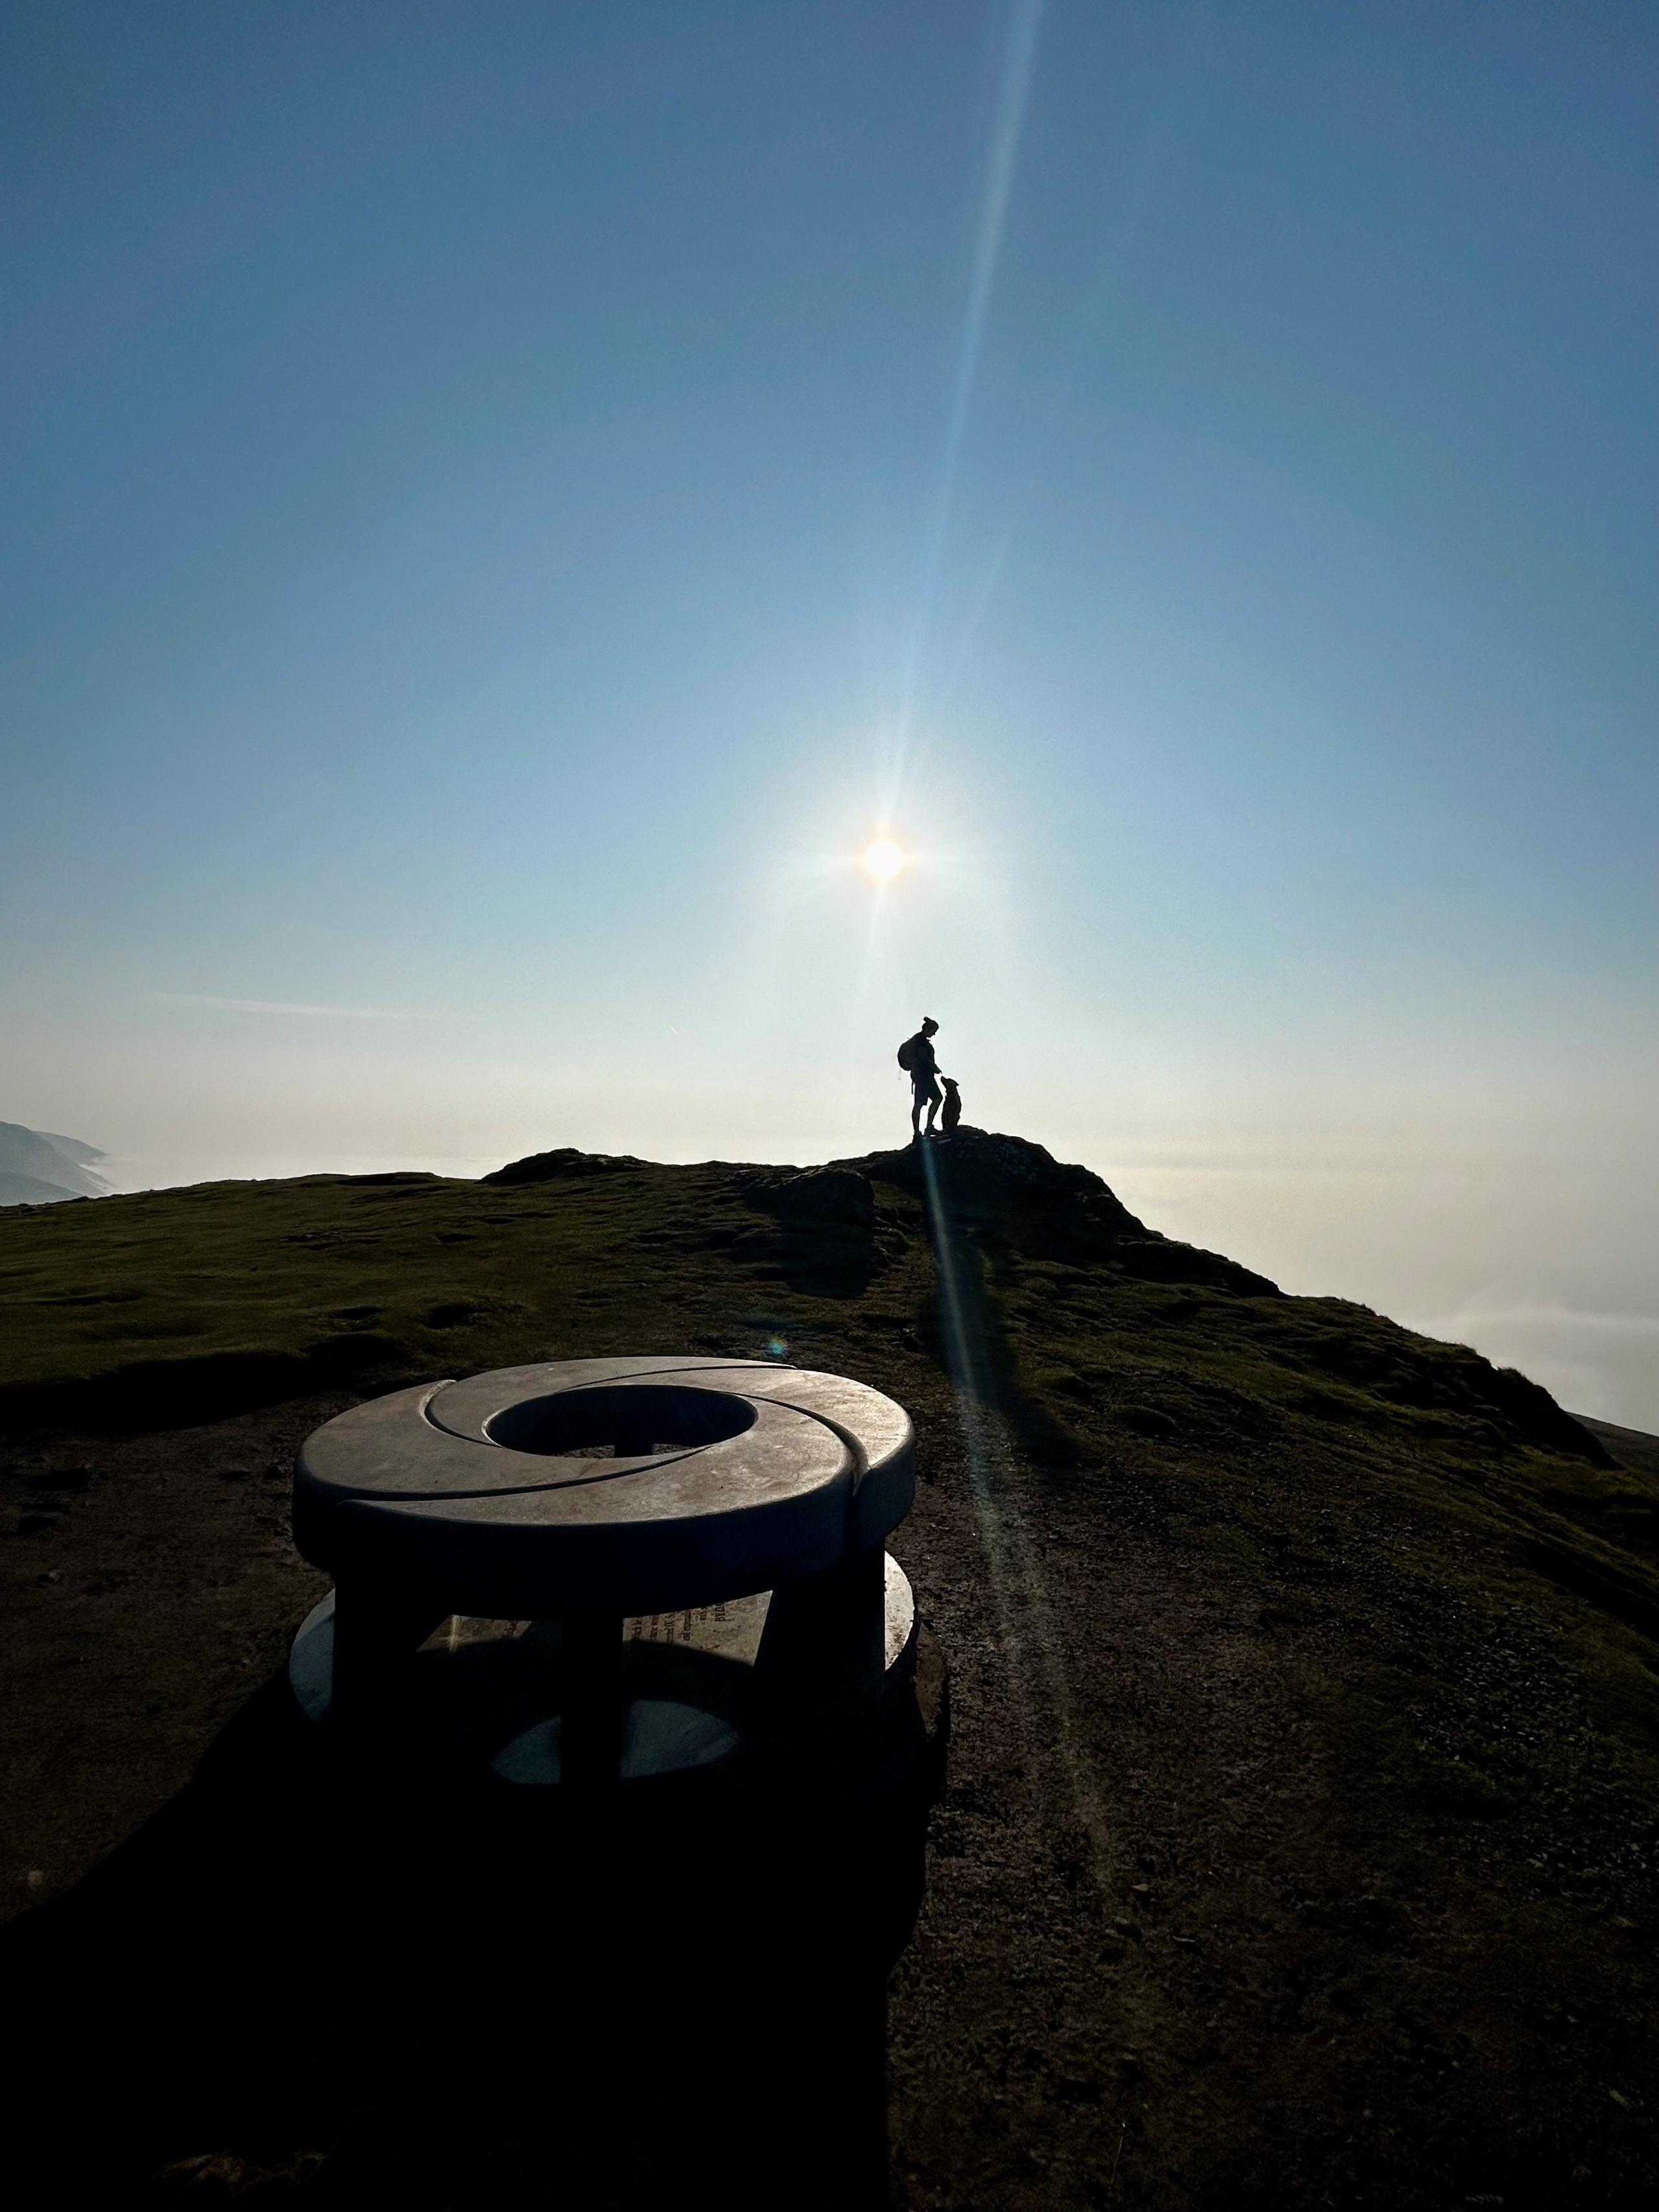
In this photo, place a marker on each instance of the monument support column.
(822, 1651)
(376, 1624)
(594, 1710)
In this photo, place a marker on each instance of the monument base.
(697, 1704)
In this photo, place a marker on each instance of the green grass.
(173, 1305)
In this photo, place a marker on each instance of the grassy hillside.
(1307, 1746)
(183, 1305)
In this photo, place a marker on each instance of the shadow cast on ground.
(304, 1973)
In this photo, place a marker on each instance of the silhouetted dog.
(952, 1114)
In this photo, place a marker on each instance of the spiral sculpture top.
(630, 1485)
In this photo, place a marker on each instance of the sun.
(883, 859)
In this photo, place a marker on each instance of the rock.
(837, 1195)
(991, 1183)
(561, 1164)
(821, 1234)
(1154, 1259)
(976, 1165)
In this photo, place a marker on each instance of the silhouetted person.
(952, 1114)
(916, 1058)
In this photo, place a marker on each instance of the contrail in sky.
(1013, 93)
(278, 1006)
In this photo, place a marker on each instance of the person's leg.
(915, 1109)
(934, 1097)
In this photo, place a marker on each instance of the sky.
(506, 502)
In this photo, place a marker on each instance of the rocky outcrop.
(839, 1197)
(994, 1185)
(822, 1236)
(560, 1166)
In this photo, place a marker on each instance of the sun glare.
(883, 859)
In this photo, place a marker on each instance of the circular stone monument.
(604, 1573)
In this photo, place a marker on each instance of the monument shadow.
(311, 1974)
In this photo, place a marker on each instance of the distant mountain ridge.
(37, 1168)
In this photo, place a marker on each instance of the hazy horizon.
(507, 503)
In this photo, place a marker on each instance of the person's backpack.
(907, 1055)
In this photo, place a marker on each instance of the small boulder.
(838, 1196)
(560, 1166)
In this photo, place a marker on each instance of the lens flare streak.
(1012, 95)
(1017, 1579)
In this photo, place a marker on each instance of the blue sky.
(505, 500)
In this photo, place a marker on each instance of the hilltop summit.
(1302, 1787)
(994, 1183)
